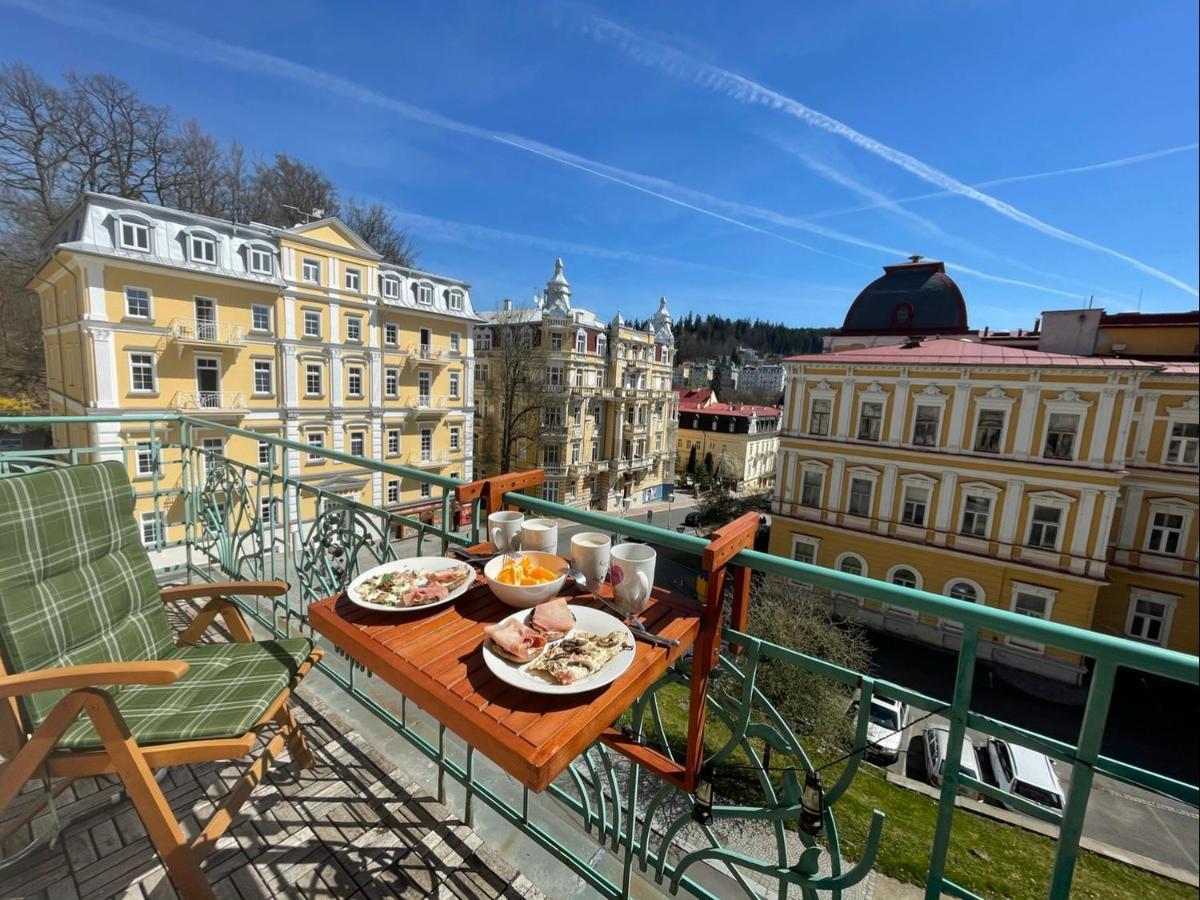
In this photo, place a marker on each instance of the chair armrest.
(223, 589)
(92, 675)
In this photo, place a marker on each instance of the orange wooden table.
(436, 660)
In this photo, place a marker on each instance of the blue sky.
(763, 161)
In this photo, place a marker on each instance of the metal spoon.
(638, 629)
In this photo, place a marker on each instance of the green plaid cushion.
(76, 585)
(225, 691)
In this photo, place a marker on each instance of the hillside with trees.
(95, 133)
(710, 337)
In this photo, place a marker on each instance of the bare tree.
(35, 146)
(198, 176)
(286, 189)
(375, 225)
(515, 391)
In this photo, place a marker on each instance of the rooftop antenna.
(308, 215)
(1139, 300)
(1091, 300)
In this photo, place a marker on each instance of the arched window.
(905, 577)
(601, 345)
(963, 590)
(581, 341)
(852, 564)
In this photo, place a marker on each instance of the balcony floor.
(347, 828)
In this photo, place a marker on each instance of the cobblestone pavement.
(347, 828)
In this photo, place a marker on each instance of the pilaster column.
(1102, 427)
(835, 489)
(104, 361)
(1030, 400)
(1129, 519)
(1082, 533)
(291, 428)
(1145, 424)
(958, 414)
(845, 409)
(887, 495)
(796, 405)
(945, 506)
(290, 398)
(1104, 524)
(375, 358)
(336, 388)
(377, 454)
(899, 412)
(1013, 492)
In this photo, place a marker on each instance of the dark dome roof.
(916, 297)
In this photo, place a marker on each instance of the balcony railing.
(319, 539)
(428, 460)
(429, 402)
(201, 332)
(209, 402)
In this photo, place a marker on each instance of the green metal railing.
(249, 521)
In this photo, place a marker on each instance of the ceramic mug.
(540, 534)
(590, 553)
(632, 575)
(505, 530)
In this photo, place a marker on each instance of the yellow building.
(606, 435)
(735, 442)
(303, 333)
(1058, 486)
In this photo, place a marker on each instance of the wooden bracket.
(492, 490)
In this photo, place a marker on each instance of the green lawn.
(987, 857)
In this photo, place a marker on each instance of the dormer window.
(133, 234)
(389, 287)
(425, 294)
(202, 249)
(260, 260)
(455, 300)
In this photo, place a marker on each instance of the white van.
(937, 740)
(1025, 772)
(885, 728)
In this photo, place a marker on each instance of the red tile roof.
(740, 410)
(946, 351)
(694, 396)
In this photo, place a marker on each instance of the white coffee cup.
(505, 530)
(590, 552)
(632, 575)
(540, 534)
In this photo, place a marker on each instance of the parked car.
(692, 520)
(884, 730)
(1025, 773)
(937, 741)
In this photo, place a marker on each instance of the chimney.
(507, 305)
(985, 331)
(912, 343)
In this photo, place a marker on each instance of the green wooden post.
(959, 707)
(1091, 733)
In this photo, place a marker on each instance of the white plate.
(413, 564)
(586, 619)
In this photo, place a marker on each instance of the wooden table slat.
(436, 660)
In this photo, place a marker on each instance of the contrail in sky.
(679, 64)
(1013, 179)
(169, 38)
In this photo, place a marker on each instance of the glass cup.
(632, 576)
(504, 528)
(590, 554)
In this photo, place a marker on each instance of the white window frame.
(314, 458)
(393, 441)
(1171, 506)
(153, 389)
(270, 370)
(830, 397)
(426, 490)
(872, 395)
(1185, 414)
(266, 510)
(1067, 403)
(389, 287)
(264, 453)
(392, 488)
(1049, 595)
(308, 263)
(147, 451)
(920, 482)
(353, 370)
(426, 445)
(454, 300)
(1168, 602)
(978, 490)
(309, 367)
(842, 559)
(354, 322)
(1053, 500)
(154, 518)
(807, 541)
(138, 225)
(919, 585)
(255, 252)
(601, 345)
(980, 599)
(424, 291)
(455, 342)
(391, 375)
(352, 279)
(860, 473)
(1076, 437)
(992, 400)
(819, 469)
(455, 438)
(256, 308)
(309, 315)
(581, 341)
(455, 385)
(360, 436)
(391, 334)
(197, 240)
(484, 336)
(149, 298)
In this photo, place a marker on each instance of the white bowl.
(522, 597)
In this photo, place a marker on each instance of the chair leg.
(182, 864)
(301, 756)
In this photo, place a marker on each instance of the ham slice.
(553, 618)
(514, 641)
(427, 594)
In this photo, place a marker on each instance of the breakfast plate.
(407, 585)
(587, 621)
